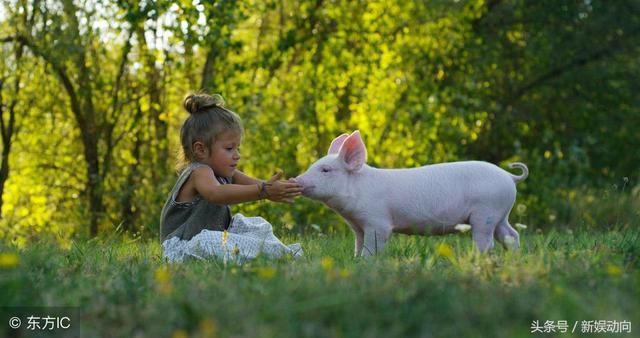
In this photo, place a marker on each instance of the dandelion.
(179, 333)
(162, 274)
(326, 263)
(521, 209)
(9, 260)
(266, 272)
(207, 328)
(614, 270)
(520, 226)
(162, 277)
(444, 250)
(344, 273)
(463, 227)
(333, 274)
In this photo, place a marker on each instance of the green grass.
(413, 289)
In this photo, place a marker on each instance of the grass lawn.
(418, 287)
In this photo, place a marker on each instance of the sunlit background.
(92, 101)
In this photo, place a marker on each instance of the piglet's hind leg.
(483, 224)
(506, 235)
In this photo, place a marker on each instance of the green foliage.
(552, 84)
(417, 287)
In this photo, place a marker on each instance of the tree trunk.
(208, 82)
(128, 215)
(160, 153)
(8, 128)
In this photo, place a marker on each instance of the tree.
(55, 36)
(9, 99)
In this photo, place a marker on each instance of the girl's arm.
(208, 187)
(244, 179)
(241, 178)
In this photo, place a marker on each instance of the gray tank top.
(187, 219)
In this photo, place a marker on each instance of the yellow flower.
(163, 280)
(326, 263)
(208, 328)
(614, 270)
(344, 273)
(266, 272)
(162, 274)
(444, 250)
(9, 260)
(180, 333)
(333, 274)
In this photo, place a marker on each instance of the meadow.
(418, 287)
(91, 108)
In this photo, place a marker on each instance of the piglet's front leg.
(359, 235)
(375, 238)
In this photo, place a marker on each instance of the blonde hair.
(208, 118)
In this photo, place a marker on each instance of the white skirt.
(246, 238)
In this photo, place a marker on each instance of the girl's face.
(225, 154)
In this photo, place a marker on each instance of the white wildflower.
(509, 241)
(463, 227)
(520, 226)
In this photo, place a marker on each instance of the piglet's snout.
(306, 187)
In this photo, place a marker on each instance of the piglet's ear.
(353, 152)
(337, 143)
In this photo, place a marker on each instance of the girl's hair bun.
(197, 103)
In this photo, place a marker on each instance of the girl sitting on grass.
(196, 219)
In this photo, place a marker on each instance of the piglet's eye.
(325, 170)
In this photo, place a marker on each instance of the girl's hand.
(282, 191)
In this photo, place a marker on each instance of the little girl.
(198, 202)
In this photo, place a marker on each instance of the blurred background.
(91, 102)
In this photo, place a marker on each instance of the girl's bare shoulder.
(188, 191)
